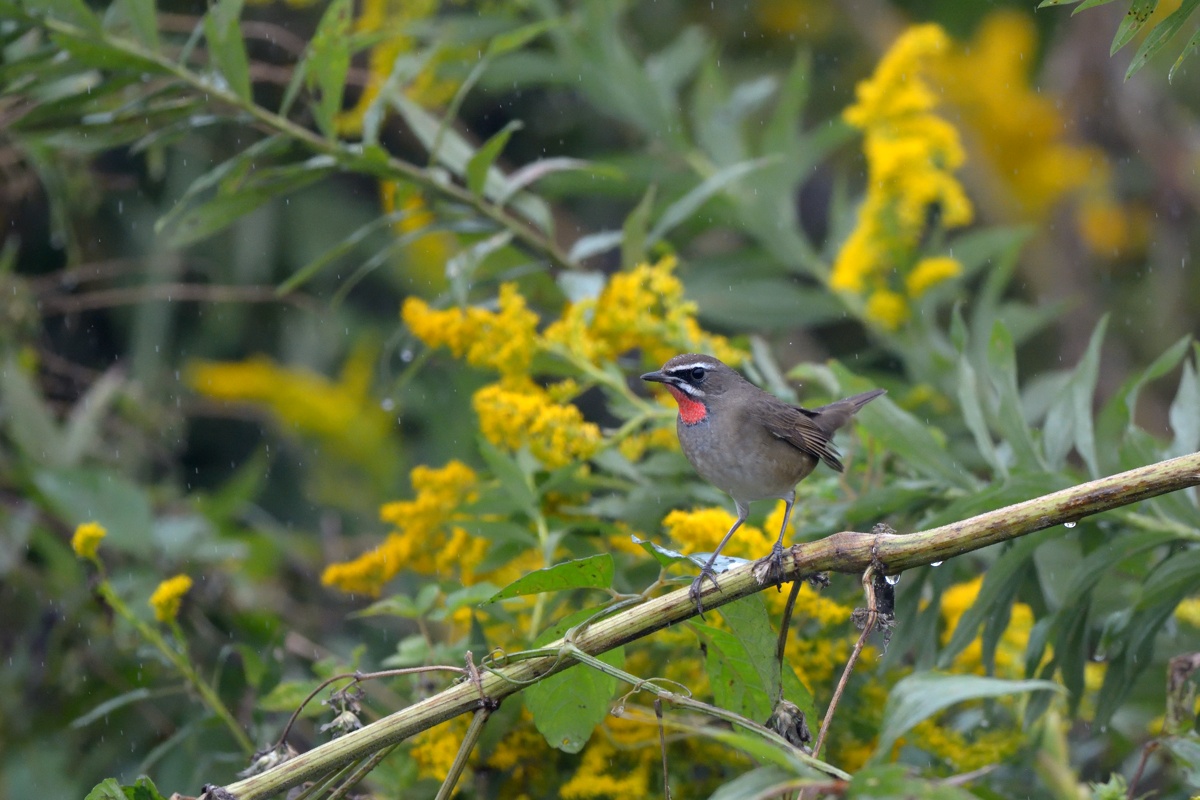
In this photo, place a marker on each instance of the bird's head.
(695, 381)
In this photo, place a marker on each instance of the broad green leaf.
(533, 172)
(1160, 35)
(1185, 752)
(1117, 415)
(761, 782)
(592, 572)
(567, 707)
(733, 675)
(504, 43)
(144, 20)
(1135, 18)
(483, 159)
(328, 63)
(226, 46)
(108, 789)
(687, 205)
(403, 606)
(749, 622)
(633, 242)
(922, 695)
(1048, 3)
(101, 495)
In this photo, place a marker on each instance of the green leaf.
(1008, 414)
(108, 789)
(483, 159)
(761, 782)
(536, 170)
(226, 46)
(1192, 44)
(76, 12)
(592, 572)
(1185, 752)
(86, 494)
(664, 556)
(82, 430)
(567, 707)
(1135, 18)
(1184, 413)
(1086, 4)
(902, 434)
(328, 62)
(1069, 420)
(733, 675)
(749, 622)
(972, 409)
(144, 20)
(782, 131)
(461, 269)
(1117, 416)
(403, 606)
(1160, 35)
(687, 205)
(111, 705)
(633, 243)
(922, 695)
(28, 420)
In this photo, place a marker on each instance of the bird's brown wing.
(798, 427)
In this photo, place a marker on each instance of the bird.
(748, 443)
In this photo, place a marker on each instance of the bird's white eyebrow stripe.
(693, 365)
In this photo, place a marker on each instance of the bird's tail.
(837, 414)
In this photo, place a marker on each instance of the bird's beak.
(655, 376)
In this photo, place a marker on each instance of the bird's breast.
(745, 461)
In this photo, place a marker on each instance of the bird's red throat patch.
(690, 411)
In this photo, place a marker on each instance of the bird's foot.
(770, 568)
(697, 588)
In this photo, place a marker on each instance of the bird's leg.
(773, 570)
(707, 570)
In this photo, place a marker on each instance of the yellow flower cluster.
(86, 540)
(421, 541)
(911, 155)
(504, 340)
(1010, 650)
(524, 414)
(966, 753)
(618, 764)
(395, 17)
(642, 309)
(168, 596)
(701, 530)
(1188, 611)
(1019, 130)
(342, 415)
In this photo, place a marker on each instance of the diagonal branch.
(848, 552)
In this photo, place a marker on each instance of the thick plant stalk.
(848, 552)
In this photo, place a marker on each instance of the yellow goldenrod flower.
(86, 540)
(523, 414)
(1188, 611)
(167, 597)
(342, 415)
(911, 156)
(605, 771)
(887, 308)
(420, 541)
(701, 530)
(504, 340)
(640, 309)
(929, 272)
(396, 16)
(1020, 131)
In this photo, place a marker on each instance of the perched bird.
(747, 442)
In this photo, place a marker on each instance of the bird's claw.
(769, 569)
(697, 588)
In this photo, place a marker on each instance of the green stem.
(178, 660)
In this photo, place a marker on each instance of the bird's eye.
(698, 374)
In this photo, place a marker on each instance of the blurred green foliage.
(213, 218)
